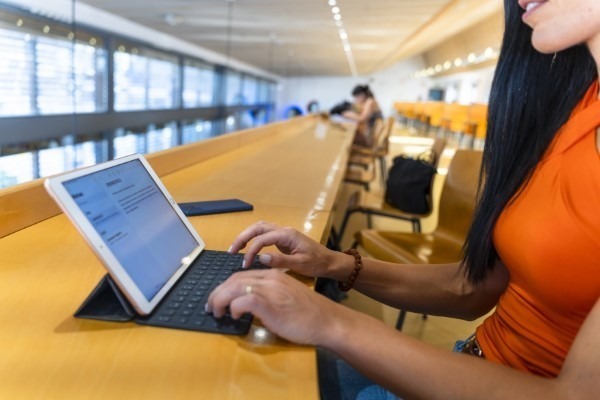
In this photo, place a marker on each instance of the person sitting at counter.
(532, 253)
(366, 112)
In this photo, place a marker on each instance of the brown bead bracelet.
(344, 287)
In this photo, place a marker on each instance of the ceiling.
(299, 38)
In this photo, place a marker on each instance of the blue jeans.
(340, 381)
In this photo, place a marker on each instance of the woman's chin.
(547, 45)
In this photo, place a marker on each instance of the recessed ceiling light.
(335, 10)
(332, 3)
(343, 35)
(489, 52)
(46, 29)
(458, 62)
(339, 23)
(337, 17)
(19, 22)
(472, 57)
(447, 65)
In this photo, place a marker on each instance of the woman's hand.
(285, 306)
(298, 252)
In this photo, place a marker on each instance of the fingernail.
(206, 309)
(265, 259)
(244, 264)
(229, 249)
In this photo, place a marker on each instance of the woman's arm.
(405, 366)
(430, 289)
(413, 369)
(364, 115)
(435, 289)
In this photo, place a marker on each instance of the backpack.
(409, 184)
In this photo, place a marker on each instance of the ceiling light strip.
(339, 22)
(471, 59)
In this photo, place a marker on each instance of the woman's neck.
(594, 46)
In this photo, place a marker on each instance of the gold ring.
(249, 289)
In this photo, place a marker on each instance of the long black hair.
(532, 96)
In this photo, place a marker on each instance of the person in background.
(366, 113)
(532, 254)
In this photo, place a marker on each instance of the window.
(36, 69)
(161, 138)
(196, 131)
(17, 168)
(48, 69)
(233, 87)
(55, 75)
(198, 85)
(58, 159)
(163, 83)
(145, 81)
(263, 92)
(272, 92)
(250, 90)
(16, 70)
(127, 142)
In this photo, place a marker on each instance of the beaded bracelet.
(344, 287)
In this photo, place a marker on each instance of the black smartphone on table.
(214, 207)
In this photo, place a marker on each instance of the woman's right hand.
(298, 252)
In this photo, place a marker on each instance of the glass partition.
(73, 95)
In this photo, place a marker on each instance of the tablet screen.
(136, 222)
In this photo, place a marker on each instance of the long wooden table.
(291, 174)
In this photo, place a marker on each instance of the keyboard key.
(187, 313)
(182, 320)
(164, 319)
(174, 305)
(191, 305)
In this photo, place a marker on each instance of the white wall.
(467, 87)
(391, 85)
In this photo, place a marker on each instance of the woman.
(533, 251)
(367, 116)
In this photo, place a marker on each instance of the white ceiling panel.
(291, 38)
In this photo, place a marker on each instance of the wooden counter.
(291, 174)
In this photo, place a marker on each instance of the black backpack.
(409, 184)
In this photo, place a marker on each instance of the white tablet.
(133, 225)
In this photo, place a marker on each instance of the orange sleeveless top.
(549, 240)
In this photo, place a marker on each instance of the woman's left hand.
(284, 305)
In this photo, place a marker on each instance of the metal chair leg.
(347, 216)
(401, 318)
(382, 165)
(416, 226)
